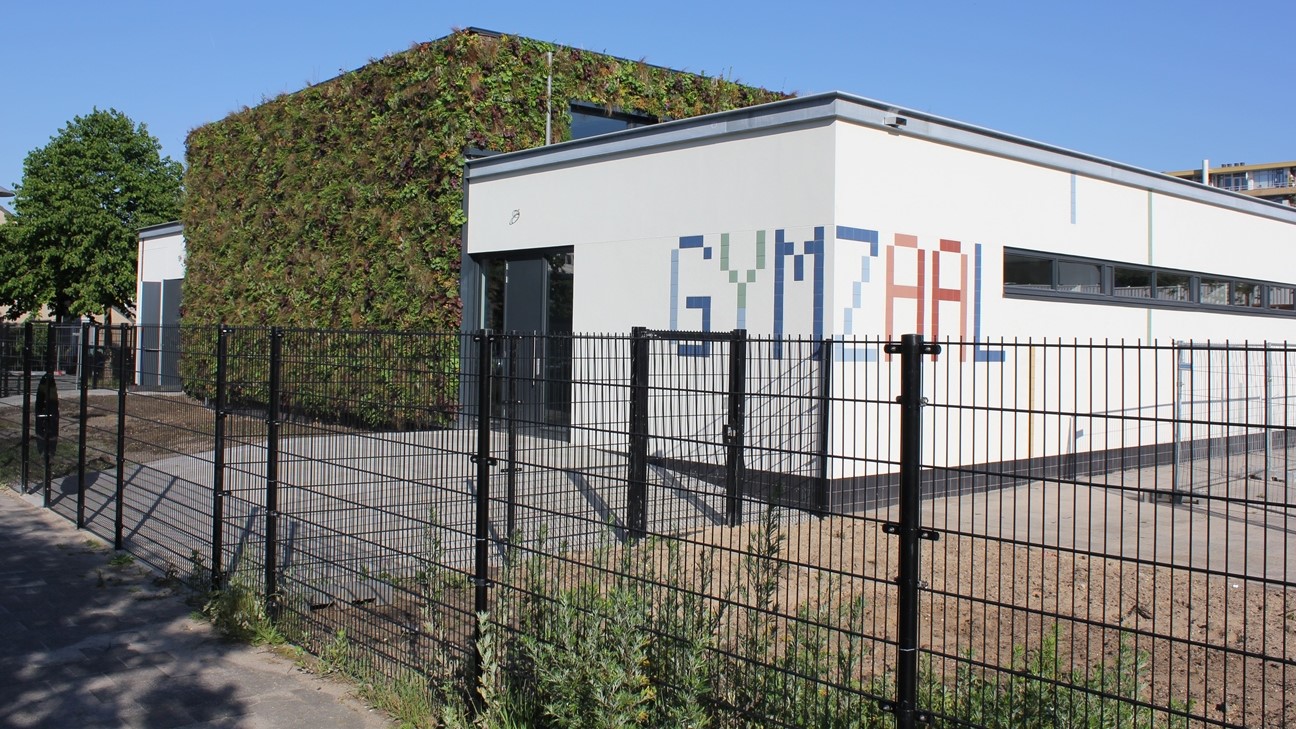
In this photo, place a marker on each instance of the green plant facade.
(340, 205)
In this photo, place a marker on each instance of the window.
(1028, 272)
(1173, 286)
(1214, 291)
(1236, 181)
(1246, 293)
(1135, 283)
(1049, 275)
(590, 120)
(1282, 297)
(561, 270)
(1080, 278)
(496, 273)
(1272, 178)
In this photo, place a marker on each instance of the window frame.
(1107, 296)
(587, 108)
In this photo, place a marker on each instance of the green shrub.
(239, 611)
(1038, 693)
(639, 636)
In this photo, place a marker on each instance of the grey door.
(169, 357)
(159, 335)
(150, 335)
(528, 297)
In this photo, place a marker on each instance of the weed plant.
(638, 635)
(239, 611)
(640, 639)
(1038, 693)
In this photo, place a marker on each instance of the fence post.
(484, 461)
(7, 346)
(510, 415)
(911, 350)
(218, 461)
(1268, 424)
(28, 346)
(272, 476)
(83, 379)
(822, 501)
(107, 347)
(1176, 483)
(120, 494)
(98, 357)
(734, 427)
(637, 478)
(51, 354)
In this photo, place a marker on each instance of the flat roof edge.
(795, 111)
(840, 106)
(161, 229)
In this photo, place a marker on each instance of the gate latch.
(732, 435)
(930, 535)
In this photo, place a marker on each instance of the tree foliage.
(82, 200)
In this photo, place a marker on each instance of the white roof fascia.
(837, 106)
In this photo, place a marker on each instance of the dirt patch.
(157, 425)
(429, 633)
(1221, 646)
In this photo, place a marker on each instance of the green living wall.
(340, 206)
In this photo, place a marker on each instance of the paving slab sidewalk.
(88, 643)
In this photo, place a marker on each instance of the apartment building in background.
(1272, 181)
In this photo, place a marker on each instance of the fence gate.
(687, 412)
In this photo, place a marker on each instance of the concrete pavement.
(89, 641)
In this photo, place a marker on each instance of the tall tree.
(82, 200)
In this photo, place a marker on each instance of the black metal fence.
(714, 526)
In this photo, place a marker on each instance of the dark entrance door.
(528, 296)
(159, 334)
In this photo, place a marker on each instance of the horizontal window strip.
(1039, 274)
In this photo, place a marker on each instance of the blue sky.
(1153, 83)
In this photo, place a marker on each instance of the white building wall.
(633, 223)
(900, 185)
(867, 226)
(160, 259)
(920, 200)
(691, 237)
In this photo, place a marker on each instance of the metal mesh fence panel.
(243, 453)
(375, 501)
(681, 506)
(14, 386)
(1101, 534)
(1077, 576)
(1231, 407)
(167, 456)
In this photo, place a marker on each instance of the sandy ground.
(1220, 642)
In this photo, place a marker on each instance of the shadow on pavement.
(90, 640)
